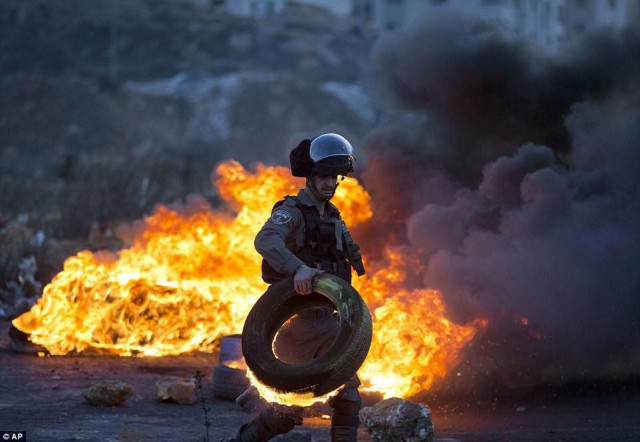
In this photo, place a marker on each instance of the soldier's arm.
(270, 240)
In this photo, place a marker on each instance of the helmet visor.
(333, 165)
(329, 145)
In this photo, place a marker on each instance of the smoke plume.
(520, 185)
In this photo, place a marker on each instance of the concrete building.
(391, 14)
(340, 8)
(254, 8)
(546, 23)
(579, 16)
(263, 8)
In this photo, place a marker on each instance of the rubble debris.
(27, 258)
(398, 420)
(180, 391)
(18, 270)
(16, 244)
(108, 393)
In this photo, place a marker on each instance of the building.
(391, 14)
(254, 8)
(579, 16)
(263, 8)
(340, 8)
(546, 23)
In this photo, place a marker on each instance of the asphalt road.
(43, 396)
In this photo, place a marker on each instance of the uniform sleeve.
(270, 240)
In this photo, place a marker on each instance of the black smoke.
(521, 187)
(484, 92)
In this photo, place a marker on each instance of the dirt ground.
(43, 396)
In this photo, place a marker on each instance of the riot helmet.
(328, 154)
(331, 154)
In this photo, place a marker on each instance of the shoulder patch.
(280, 217)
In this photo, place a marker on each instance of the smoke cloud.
(521, 186)
(485, 93)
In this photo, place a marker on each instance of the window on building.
(612, 4)
(581, 3)
(579, 28)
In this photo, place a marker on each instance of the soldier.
(305, 237)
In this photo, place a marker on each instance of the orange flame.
(190, 275)
(413, 341)
(287, 398)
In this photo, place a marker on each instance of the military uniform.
(283, 242)
(297, 233)
(302, 230)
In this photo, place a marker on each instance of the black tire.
(229, 383)
(325, 373)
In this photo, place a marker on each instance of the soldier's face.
(326, 184)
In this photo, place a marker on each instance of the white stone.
(181, 391)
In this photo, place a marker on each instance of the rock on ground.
(108, 393)
(398, 420)
(177, 390)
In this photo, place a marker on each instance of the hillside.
(108, 108)
(92, 90)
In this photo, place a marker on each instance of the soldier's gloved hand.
(295, 414)
(303, 279)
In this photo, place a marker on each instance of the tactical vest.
(325, 246)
